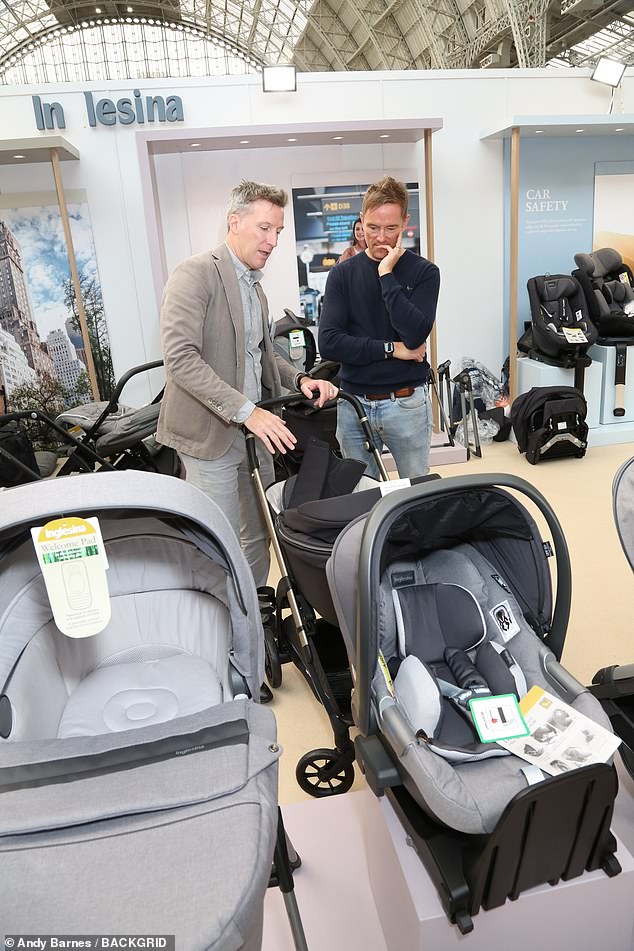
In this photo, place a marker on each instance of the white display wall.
(190, 189)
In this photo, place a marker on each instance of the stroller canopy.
(126, 503)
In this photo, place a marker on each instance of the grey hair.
(246, 193)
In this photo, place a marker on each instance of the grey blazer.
(203, 342)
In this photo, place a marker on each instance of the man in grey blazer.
(220, 361)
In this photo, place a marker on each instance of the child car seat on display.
(561, 327)
(549, 422)
(608, 285)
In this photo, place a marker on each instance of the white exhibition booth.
(156, 191)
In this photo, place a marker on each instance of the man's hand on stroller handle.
(272, 430)
(324, 390)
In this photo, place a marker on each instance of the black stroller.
(300, 622)
(443, 595)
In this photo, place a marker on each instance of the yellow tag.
(386, 673)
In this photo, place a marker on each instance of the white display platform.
(533, 373)
(606, 358)
(586, 912)
(440, 454)
(362, 887)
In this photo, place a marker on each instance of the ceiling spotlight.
(384, 136)
(337, 138)
(97, 9)
(130, 9)
(608, 72)
(279, 78)
(194, 145)
(244, 141)
(618, 130)
(578, 130)
(291, 140)
(18, 156)
(539, 131)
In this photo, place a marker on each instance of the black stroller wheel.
(272, 665)
(319, 773)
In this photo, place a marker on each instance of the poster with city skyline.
(42, 353)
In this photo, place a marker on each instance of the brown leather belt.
(394, 394)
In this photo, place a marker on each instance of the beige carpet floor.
(601, 629)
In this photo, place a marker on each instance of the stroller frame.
(321, 772)
(474, 871)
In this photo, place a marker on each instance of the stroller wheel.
(272, 665)
(324, 773)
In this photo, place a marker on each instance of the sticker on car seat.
(504, 620)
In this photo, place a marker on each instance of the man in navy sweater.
(378, 310)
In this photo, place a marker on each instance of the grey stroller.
(122, 436)
(138, 780)
(443, 594)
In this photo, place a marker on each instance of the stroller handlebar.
(292, 399)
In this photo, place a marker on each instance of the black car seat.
(561, 330)
(608, 286)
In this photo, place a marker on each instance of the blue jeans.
(403, 425)
(228, 482)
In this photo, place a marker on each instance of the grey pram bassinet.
(138, 781)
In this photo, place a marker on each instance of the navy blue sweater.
(361, 311)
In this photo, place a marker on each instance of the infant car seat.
(608, 285)
(443, 594)
(294, 341)
(561, 328)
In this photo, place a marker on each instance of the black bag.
(18, 447)
(549, 422)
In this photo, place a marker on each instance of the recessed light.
(578, 130)
(539, 131)
(18, 156)
(194, 145)
(244, 141)
(336, 138)
(384, 136)
(618, 130)
(130, 9)
(291, 140)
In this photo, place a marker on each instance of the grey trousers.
(228, 482)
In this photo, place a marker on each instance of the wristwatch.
(388, 349)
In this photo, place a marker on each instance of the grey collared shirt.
(252, 312)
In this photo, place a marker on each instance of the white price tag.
(574, 335)
(296, 338)
(498, 718)
(393, 485)
(71, 555)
